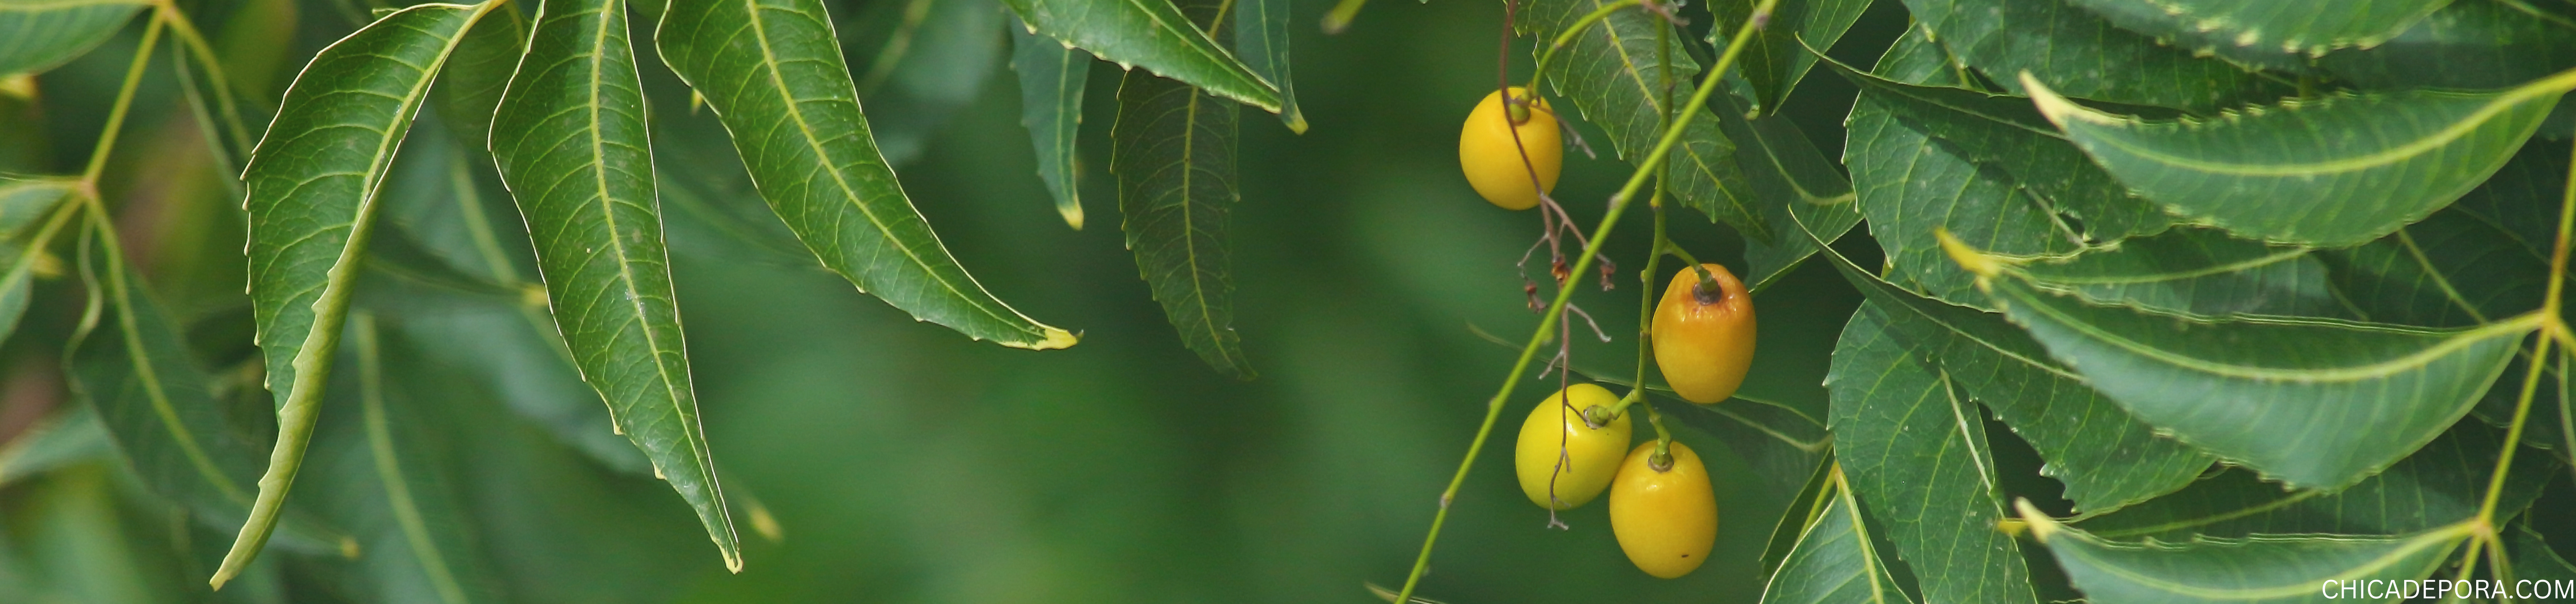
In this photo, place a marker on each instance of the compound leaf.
(313, 184)
(572, 145)
(774, 74)
(2335, 171)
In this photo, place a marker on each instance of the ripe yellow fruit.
(1591, 455)
(1704, 339)
(1493, 163)
(1665, 520)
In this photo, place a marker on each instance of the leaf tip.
(2041, 526)
(2056, 108)
(1968, 257)
(1072, 214)
(1295, 119)
(1055, 338)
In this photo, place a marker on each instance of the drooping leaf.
(1261, 38)
(2260, 568)
(2381, 160)
(1174, 158)
(1915, 453)
(2316, 403)
(1615, 74)
(2106, 457)
(469, 87)
(2081, 53)
(130, 363)
(32, 213)
(2267, 34)
(2467, 45)
(572, 145)
(1796, 185)
(70, 436)
(1777, 59)
(1810, 504)
(313, 184)
(2441, 484)
(2197, 271)
(37, 35)
(917, 63)
(773, 73)
(375, 473)
(1152, 35)
(1835, 560)
(1051, 85)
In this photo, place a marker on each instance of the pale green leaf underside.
(773, 72)
(2315, 403)
(1916, 456)
(2082, 54)
(1614, 74)
(1052, 79)
(1174, 158)
(1834, 562)
(2250, 29)
(2332, 172)
(312, 198)
(36, 35)
(571, 141)
(2106, 457)
(2257, 569)
(1152, 34)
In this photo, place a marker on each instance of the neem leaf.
(2259, 569)
(1835, 561)
(2197, 271)
(2334, 171)
(1261, 37)
(1174, 157)
(2084, 54)
(2467, 45)
(1774, 61)
(2316, 403)
(773, 72)
(42, 34)
(1052, 78)
(2263, 32)
(1152, 34)
(313, 184)
(24, 203)
(2443, 483)
(1614, 74)
(572, 145)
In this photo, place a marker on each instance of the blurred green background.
(902, 462)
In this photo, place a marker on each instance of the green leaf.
(1261, 37)
(1153, 35)
(129, 361)
(2533, 559)
(1915, 451)
(374, 472)
(1174, 157)
(2443, 483)
(1912, 186)
(43, 34)
(1799, 186)
(1811, 502)
(2199, 272)
(2381, 160)
(572, 145)
(1781, 443)
(2107, 458)
(1052, 78)
(1915, 59)
(2467, 45)
(469, 87)
(70, 436)
(2261, 568)
(1777, 59)
(919, 62)
(2086, 55)
(24, 203)
(1614, 73)
(2316, 403)
(2262, 33)
(1835, 561)
(2452, 269)
(772, 71)
(313, 185)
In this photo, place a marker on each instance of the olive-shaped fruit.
(1704, 335)
(1492, 160)
(1665, 520)
(1591, 454)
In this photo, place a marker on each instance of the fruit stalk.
(1565, 290)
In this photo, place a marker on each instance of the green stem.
(1565, 291)
(1340, 17)
(116, 113)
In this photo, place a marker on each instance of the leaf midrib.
(2414, 360)
(2058, 109)
(2302, 586)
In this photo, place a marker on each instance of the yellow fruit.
(1591, 455)
(1493, 163)
(1665, 520)
(1704, 339)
